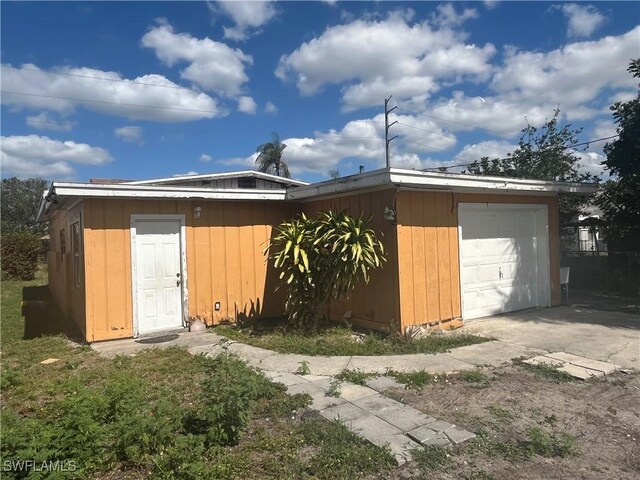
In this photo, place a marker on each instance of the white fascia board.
(42, 207)
(499, 184)
(135, 191)
(417, 179)
(373, 179)
(217, 176)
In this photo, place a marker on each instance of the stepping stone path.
(578, 367)
(366, 412)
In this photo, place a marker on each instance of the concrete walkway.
(363, 409)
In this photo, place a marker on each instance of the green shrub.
(320, 259)
(19, 255)
(230, 393)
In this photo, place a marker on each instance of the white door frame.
(184, 292)
(542, 244)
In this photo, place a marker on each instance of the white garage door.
(504, 258)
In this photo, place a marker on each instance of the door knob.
(500, 272)
(178, 282)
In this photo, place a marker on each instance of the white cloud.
(363, 140)
(491, 4)
(62, 89)
(270, 108)
(582, 20)
(568, 76)
(129, 134)
(205, 158)
(213, 66)
(43, 121)
(378, 57)
(247, 16)
(447, 15)
(34, 155)
(247, 105)
(487, 148)
(591, 162)
(604, 129)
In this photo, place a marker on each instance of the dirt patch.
(591, 429)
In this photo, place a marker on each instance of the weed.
(502, 415)
(337, 340)
(334, 388)
(475, 376)
(550, 445)
(355, 376)
(288, 406)
(415, 380)
(432, 458)
(342, 454)
(303, 369)
(479, 475)
(543, 370)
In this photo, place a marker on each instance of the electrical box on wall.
(216, 306)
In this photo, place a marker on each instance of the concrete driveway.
(607, 336)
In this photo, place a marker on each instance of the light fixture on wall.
(196, 212)
(389, 214)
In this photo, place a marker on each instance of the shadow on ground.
(604, 302)
(43, 317)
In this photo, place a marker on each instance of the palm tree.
(269, 158)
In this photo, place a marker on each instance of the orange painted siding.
(429, 269)
(69, 297)
(225, 262)
(376, 304)
(428, 257)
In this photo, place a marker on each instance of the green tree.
(544, 153)
(620, 199)
(320, 259)
(19, 205)
(269, 158)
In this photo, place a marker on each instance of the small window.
(76, 252)
(247, 182)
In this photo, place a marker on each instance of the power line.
(104, 79)
(158, 107)
(596, 140)
(424, 130)
(452, 121)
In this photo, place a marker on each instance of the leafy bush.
(229, 395)
(19, 255)
(320, 259)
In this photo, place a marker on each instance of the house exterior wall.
(69, 297)
(376, 304)
(225, 260)
(428, 258)
(429, 269)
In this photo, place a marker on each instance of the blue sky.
(151, 89)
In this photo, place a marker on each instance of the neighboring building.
(133, 258)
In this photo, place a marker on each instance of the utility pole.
(387, 140)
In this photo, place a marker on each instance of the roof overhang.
(62, 194)
(432, 181)
(220, 176)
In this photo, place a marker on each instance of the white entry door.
(157, 273)
(504, 258)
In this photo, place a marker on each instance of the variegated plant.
(322, 258)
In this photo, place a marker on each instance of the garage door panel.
(499, 260)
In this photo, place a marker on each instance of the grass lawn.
(342, 340)
(161, 414)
